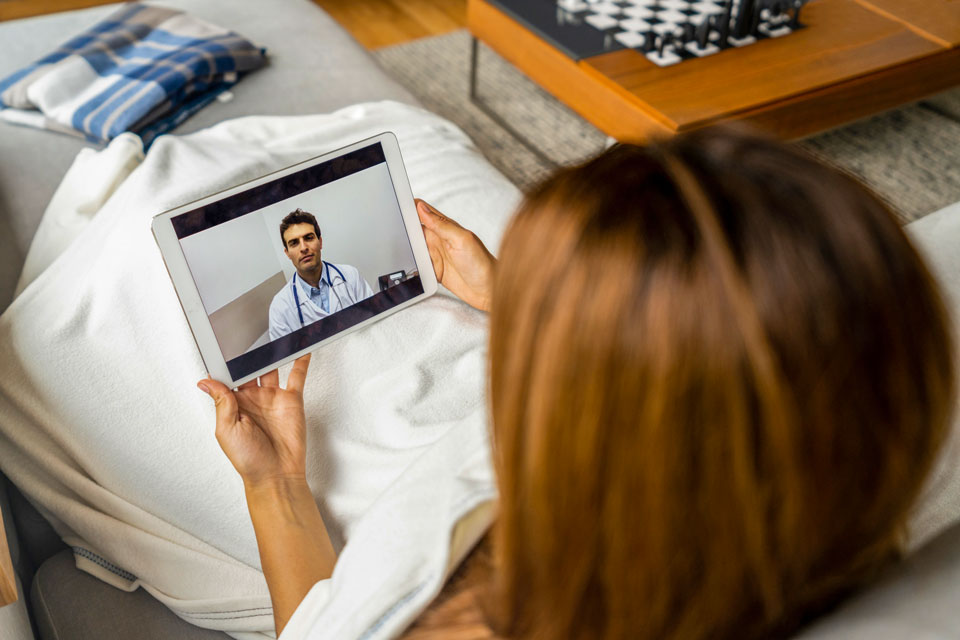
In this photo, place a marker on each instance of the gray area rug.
(910, 156)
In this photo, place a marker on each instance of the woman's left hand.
(262, 427)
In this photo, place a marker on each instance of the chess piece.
(748, 18)
(777, 9)
(649, 41)
(742, 28)
(703, 33)
(774, 13)
(797, 5)
(662, 42)
(724, 26)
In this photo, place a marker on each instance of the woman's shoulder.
(459, 612)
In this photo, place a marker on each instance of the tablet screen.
(290, 262)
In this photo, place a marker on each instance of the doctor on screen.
(318, 288)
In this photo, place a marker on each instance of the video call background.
(240, 265)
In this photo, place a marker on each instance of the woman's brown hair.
(719, 376)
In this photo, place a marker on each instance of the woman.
(719, 376)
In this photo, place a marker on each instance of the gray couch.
(315, 67)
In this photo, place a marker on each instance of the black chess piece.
(797, 5)
(663, 43)
(703, 33)
(668, 40)
(724, 26)
(775, 8)
(746, 19)
(649, 41)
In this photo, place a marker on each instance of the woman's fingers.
(226, 402)
(436, 253)
(270, 379)
(437, 230)
(298, 375)
(436, 221)
(426, 215)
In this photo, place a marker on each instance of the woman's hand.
(262, 428)
(463, 264)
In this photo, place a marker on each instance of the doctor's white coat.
(347, 290)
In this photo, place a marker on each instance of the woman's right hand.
(463, 265)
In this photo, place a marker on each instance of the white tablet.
(271, 269)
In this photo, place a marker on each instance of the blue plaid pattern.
(147, 69)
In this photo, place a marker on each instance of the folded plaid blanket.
(144, 69)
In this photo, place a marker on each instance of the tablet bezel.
(189, 295)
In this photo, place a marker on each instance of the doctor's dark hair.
(720, 374)
(297, 216)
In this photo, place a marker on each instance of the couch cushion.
(917, 600)
(38, 539)
(937, 238)
(69, 604)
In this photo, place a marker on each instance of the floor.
(374, 23)
(380, 23)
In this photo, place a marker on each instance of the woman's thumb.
(221, 396)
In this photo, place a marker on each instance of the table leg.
(493, 115)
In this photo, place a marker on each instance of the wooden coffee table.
(854, 59)
(8, 585)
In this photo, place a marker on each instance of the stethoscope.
(296, 297)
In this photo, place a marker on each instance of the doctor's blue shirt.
(320, 296)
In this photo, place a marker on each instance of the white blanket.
(102, 427)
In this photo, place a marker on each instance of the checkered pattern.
(642, 24)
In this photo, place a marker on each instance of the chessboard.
(671, 31)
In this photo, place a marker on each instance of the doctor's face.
(302, 245)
